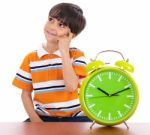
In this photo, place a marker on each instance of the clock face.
(109, 96)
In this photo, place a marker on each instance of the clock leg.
(126, 125)
(92, 125)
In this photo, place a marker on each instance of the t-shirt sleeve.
(23, 78)
(79, 63)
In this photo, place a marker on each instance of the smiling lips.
(51, 33)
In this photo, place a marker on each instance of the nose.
(53, 31)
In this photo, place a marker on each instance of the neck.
(51, 47)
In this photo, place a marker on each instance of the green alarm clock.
(109, 95)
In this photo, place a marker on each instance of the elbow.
(72, 84)
(72, 87)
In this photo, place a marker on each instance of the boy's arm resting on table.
(29, 107)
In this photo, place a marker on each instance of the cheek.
(62, 33)
(44, 29)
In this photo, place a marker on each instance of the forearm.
(29, 107)
(70, 77)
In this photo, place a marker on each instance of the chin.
(51, 39)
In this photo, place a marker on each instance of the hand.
(102, 96)
(120, 91)
(37, 119)
(64, 41)
(103, 92)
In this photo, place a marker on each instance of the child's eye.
(62, 25)
(50, 19)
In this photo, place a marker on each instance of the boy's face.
(54, 29)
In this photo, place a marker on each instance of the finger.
(70, 35)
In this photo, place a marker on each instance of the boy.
(54, 71)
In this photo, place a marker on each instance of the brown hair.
(70, 15)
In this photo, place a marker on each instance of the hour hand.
(103, 91)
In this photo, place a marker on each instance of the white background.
(122, 25)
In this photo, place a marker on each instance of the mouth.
(51, 34)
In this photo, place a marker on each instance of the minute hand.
(119, 91)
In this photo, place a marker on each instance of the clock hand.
(103, 92)
(102, 96)
(119, 91)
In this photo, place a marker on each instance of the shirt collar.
(41, 52)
